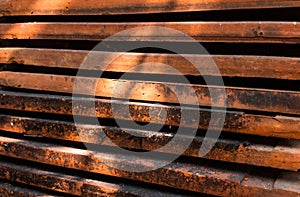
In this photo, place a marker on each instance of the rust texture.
(89, 7)
(216, 179)
(44, 153)
(279, 126)
(7, 189)
(239, 151)
(241, 32)
(78, 186)
(237, 98)
(231, 65)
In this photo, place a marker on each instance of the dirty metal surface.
(279, 126)
(238, 98)
(265, 152)
(229, 65)
(241, 32)
(7, 189)
(103, 7)
(73, 185)
(42, 153)
(223, 180)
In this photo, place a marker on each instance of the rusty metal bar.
(241, 32)
(77, 7)
(73, 185)
(7, 189)
(215, 179)
(247, 151)
(237, 98)
(279, 126)
(231, 65)
(254, 164)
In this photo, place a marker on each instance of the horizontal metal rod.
(77, 7)
(247, 151)
(241, 32)
(214, 179)
(228, 65)
(186, 94)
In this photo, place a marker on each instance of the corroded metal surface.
(247, 151)
(239, 122)
(103, 7)
(241, 32)
(40, 147)
(237, 98)
(74, 185)
(7, 190)
(214, 179)
(229, 65)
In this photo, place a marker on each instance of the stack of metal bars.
(255, 46)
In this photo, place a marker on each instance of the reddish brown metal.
(248, 151)
(211, 175)
(202, 177)
(237, 98)
(233, 65)
(59, 182)
(7, 189)
(103, 7)
(242, 32)
(279, 126)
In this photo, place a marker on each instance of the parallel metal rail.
(42, 151)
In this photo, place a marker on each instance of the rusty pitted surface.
(241, 32)
(239, 151)
(222, 180)
(71, 184)
(239, 98)
(89, 7)
(229, 65)
(279, 126)
(7, 189)
(50, 148)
